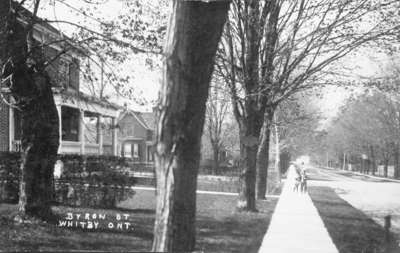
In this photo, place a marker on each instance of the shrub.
(87, 181)
(9, 175)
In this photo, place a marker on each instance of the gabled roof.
(145, 119)
(150, 119)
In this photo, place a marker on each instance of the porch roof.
(85, 102)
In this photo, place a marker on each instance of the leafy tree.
(28, 86)
(369, 125)
(274, 49)
(134, 35)
(25, 77)
(297, 120)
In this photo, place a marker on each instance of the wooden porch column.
(100, 134)
(82, 130)
(11, 129)
(114, 137)
(59, 111)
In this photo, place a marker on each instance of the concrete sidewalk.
(296, 225)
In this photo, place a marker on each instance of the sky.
(357, 67)
(147, 82)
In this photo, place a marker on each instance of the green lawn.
(350, 229)
(219, 227)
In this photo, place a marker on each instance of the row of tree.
(367, 132)
(271, 50)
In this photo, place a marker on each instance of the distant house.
(84, 119)
(136, 135)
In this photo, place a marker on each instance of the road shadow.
(350, 229)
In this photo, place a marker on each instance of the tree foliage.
(297, 121)
(274, 49)
(216, 124)
(369, 125)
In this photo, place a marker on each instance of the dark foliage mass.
(90, 181)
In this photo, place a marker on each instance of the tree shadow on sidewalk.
(350, 229)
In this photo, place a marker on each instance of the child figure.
(303, 181)
(297, 179)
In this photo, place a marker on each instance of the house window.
(108, 128)
(128, 150)
(149, 135)
(135, 150)
(64, 74)
(130, 131)
(70, 124)
(68, 74)
(53, 67)
(91, 130)
(73, 80)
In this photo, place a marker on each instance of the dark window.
(63, 73)
(74, 75)
(129, 130)
(70, 124)
(149, 135)
(17, 125)
(52, 68)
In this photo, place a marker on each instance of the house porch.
(86, 127)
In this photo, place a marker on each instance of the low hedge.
(9, 175)
(87, 181)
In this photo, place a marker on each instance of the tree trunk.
(277, 155)
(344, 161)
(216, 152)
(385, 167)
(194, 31)
(247, 179)
(263, 156)
(253, 116)
(373, 159)
(30, 86)
(396, 156)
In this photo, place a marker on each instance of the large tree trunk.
(31, 89)
(40, 141)
(247, 179)
(263, 156)
(251, 123)
(267, 72)
(194, 31)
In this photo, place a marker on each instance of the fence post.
(387, 227)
